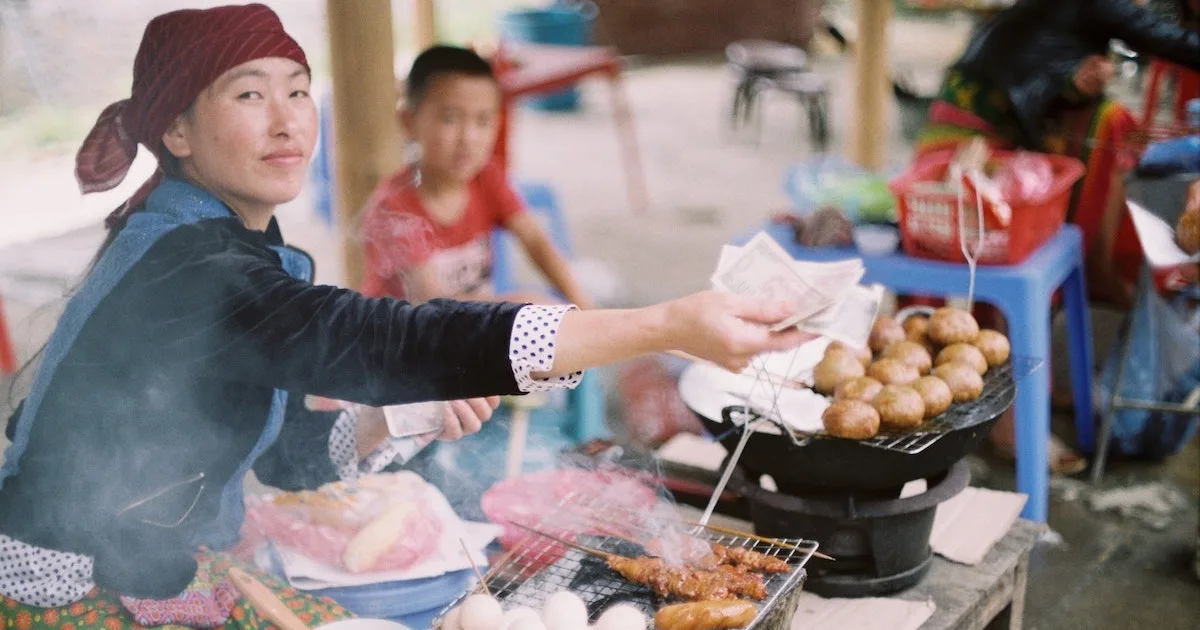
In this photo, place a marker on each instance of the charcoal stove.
(846, 494)
(880, 540)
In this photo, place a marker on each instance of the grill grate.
(538, 567)
(999, 391)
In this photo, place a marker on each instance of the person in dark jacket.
(1033, 77)
(182, 361)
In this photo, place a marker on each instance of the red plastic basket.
(929, 220)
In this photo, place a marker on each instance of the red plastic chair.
(1187, 87)
(527, 69)
(8, 358)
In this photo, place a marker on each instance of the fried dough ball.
(893, 372)
(900, 407)
(952, 325)
(916, 326)
(851, 419)
(936, 394)
(835, 369)
(965, 383)
(994, 346)
(1187, 232)
(910, 352)
(963, 353)
(884, 333)
(863, 388)
(862, 354)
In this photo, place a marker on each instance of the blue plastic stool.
(1023, 293)
(585, 404)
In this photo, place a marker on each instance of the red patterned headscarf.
(181, 54)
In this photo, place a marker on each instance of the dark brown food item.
(884, 333)
(994, 346)
(724, 583)
(835, 369)
(1187, 232)
(827, 227)
(900, 407)
(964, 353)
(952, 325)
(893, 372)
(936, 394)
(749, 559)
(851, 419)
(863, 388)
(910, 352)
(862, 354)
(705, 615)
(965, 383)
(916, 326)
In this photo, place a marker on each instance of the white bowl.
(876, 240)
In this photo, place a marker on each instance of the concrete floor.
(1099, 571)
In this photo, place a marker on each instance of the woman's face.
(249, 136)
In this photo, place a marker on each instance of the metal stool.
(760, 65)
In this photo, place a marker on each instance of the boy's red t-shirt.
(399, 234)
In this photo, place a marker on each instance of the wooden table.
(990, 595)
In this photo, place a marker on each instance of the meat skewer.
(772, 541)
(723, 584)
(708, 556)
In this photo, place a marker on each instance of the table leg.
(1029, 333)
(634, 175)
(1079, 334)
(1011, 618)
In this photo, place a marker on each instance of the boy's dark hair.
(440, 61)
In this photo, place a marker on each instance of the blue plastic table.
(1023, 293)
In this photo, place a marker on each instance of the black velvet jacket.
(173, 374)
(1033, 49)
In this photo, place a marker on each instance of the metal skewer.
(770, 541)
(747, 430)
(588, 550)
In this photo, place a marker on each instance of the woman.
(1033, 77)
(182, 361)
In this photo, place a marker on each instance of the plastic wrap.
(325, 525)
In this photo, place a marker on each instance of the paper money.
(414, 419)
(852, 318)
(763, 269)
(834, 304)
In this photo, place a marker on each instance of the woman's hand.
(729, 330)
(465, 417)
(1093, 75)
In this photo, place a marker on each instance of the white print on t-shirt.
(465, 268)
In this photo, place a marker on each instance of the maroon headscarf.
(181, 54)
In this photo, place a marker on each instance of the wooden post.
(426, 24)
(871, 76)
(365, 132)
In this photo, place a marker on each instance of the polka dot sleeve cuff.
(532, 346)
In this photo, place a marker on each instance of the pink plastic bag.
(1026, 176)
(321, 524)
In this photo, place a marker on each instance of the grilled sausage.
(705, 615)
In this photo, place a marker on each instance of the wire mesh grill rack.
(538, 567)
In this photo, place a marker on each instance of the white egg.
(526, 623)
(518, 614)
(565, 611)
(451, 620)
(622, 617)
(481, 612)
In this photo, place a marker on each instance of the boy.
(427, 228)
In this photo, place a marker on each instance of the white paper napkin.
(815, 612)
(966, 527)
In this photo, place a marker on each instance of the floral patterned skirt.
(105, 611)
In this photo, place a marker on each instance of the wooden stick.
(771, 541)
(474, 567)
